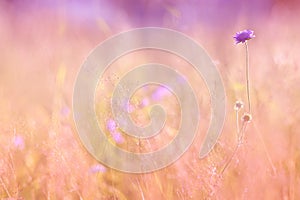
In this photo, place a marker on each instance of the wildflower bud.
(247, 117)
(238, 105)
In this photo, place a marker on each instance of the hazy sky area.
(179, 14)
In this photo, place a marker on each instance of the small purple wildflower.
(244, 35)
(111, 125)
(117, 136)
(97, 168)
(19, 142)
(145, 102)
(160, 93)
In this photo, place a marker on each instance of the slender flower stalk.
(237, 107)
(5, 188)
(240, 134)
(242, 37)
(237, 123)
(247, 77)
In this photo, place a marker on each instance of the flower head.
(160, 93)
(145, 102)
(117, 136)
(238, 105)
(97, 168)
(247, 118)
(19, 142)
(111, 125)
(244, 35)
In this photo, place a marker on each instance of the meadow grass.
(41, 156)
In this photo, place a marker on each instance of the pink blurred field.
(42, 48)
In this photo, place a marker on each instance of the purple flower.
(117, 136)
(19, 142)
(97, 168)
(145, 102)
(244, 35)
(160, 93)
(111, 125)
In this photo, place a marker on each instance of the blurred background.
(44, 43)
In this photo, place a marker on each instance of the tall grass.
(41, 156)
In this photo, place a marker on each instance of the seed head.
(238, 105)
(247, 117)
